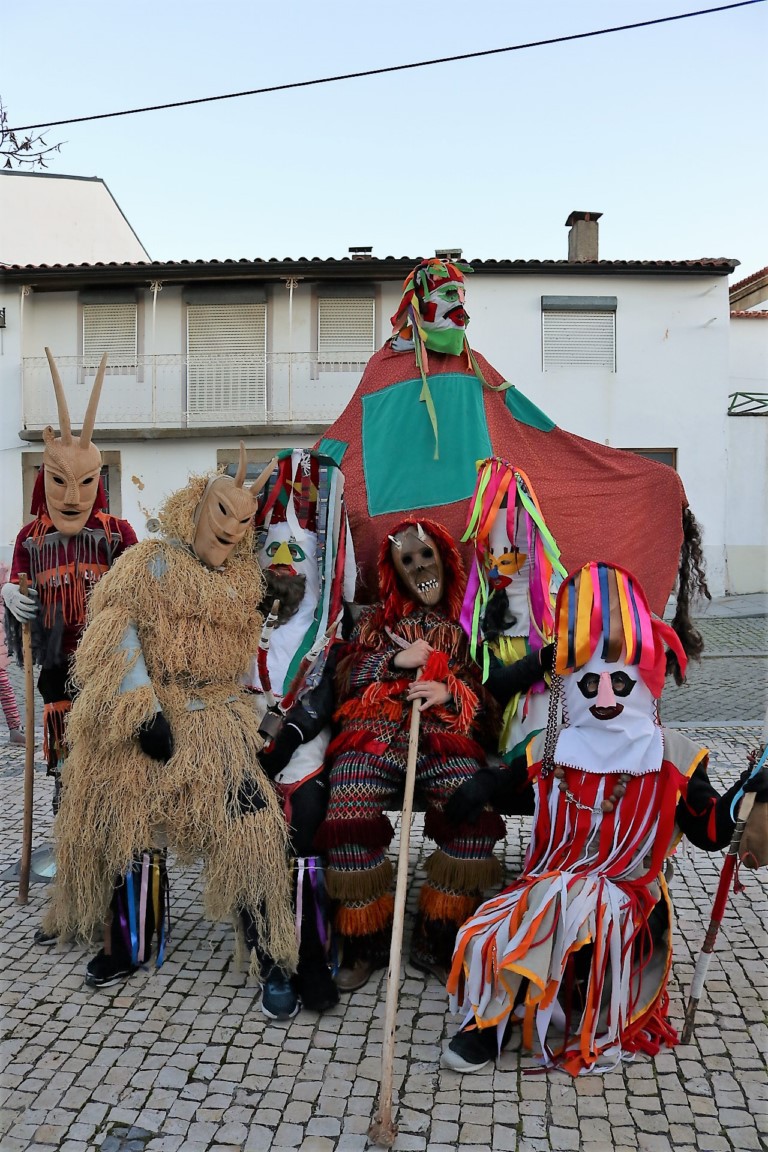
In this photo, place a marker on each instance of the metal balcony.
(174, 391)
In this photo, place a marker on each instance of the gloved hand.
(24, 608)
(156, 738)
(469, 799)
(547, 657)
(759, 785)
(287, 741)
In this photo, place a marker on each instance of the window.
(226, 361)
(660, 455)
(345, 329)
(110, 328)
(578, 332)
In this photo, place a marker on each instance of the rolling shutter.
(345, 324)
(109, 328)
(579, 339)
(226, 360)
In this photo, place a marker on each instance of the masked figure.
(508, 610)
(306, 559)
(65, 551)
(578, 951)
(165, 742)
(408, 648)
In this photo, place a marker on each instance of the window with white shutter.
(345, 328)
(578, 332)
(110, 328)
(226, 361)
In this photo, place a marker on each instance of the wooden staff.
(716, 917)
(29, 750)
(382, 1130)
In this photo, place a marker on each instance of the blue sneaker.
(278, 998)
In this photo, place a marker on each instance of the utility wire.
(390, 68)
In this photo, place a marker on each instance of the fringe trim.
(372, 832)
(54, 725)
(489, 825)
(451, 906)
(354, 741)
(374, 917)
(451, 743)
(360, 886)
(453, 875)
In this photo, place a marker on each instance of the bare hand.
(414, 656)
(429, 692)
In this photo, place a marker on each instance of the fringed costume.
(578, 951)
(71, 543)
(368, 761)
(306, 557)
(508, 610)
(167, 645)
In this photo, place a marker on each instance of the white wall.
(747, 461)
(62, 220)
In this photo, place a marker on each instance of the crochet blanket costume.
(579, 949)
(368, 761)
(168, 633)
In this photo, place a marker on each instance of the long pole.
(29, 751)
(716, 917)
(382, 1131)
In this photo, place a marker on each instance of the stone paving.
(181, 1058)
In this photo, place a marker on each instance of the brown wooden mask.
(224, 513)
(71, 468)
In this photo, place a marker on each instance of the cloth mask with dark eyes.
(609, 721)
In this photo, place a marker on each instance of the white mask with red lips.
(609, 721)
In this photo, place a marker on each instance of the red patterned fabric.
(598, 501)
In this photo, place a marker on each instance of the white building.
(633, 353)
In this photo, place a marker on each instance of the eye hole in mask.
(621, 683)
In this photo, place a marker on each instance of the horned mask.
(418, 564)
(71, 467)
(224, 513)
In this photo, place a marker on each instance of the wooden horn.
(61, 400)
(90, 413)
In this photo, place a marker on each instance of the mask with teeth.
(418, 564)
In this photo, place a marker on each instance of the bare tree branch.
(25, 152)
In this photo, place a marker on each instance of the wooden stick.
(29, 751)
(382, 1130)
(716, 917)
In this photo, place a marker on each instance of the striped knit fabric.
(8, 702)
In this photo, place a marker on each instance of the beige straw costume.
(167, 633)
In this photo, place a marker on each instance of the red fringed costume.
(368, 762)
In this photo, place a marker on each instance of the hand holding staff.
(29, 756)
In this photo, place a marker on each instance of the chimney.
(582, 238)
(359, 252)
(449, 254)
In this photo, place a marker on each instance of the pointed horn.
(61, 400)
(242, 467)
(90, 413)
(421, 533)
(397, 543)
(262, 478)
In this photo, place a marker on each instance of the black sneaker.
(317, 987)
(44, 939)
(471, 1050)
(103, 970)
(278, 997)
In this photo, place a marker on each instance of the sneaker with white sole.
(103, 971)
(470, 1050)
(279, 1000)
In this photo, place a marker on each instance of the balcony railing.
(174, 391)
(748, 404)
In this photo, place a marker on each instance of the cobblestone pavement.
(181, 1058)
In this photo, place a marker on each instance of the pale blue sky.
(660, 129)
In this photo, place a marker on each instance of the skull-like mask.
(71, 467)
(418, 564)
